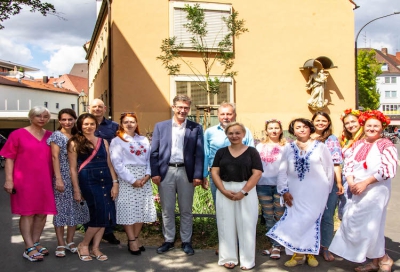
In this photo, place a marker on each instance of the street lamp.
(356, 53)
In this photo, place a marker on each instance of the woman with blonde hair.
(271, 150)
(30, 183)
(130, 156)
(352, 132)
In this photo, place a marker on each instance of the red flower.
(132, 151)
(138, 153)
(144, 150)
(365, 165)
(347, 111)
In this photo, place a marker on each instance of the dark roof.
(33, 84)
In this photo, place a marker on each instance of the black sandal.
(134, 252)
(142, 248)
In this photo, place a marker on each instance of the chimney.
(398, 55)
(384, 51)
(45, 79)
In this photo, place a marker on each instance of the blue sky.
(54, 45)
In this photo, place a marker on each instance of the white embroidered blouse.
(136, 151)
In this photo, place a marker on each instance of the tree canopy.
(368, 69)
(10, 8)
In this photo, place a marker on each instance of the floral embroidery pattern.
(268, 154)
(137, 149)
(309, 250)
(302, 164)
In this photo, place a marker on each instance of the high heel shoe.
(141, 248)
(134, 252)
(388, 262)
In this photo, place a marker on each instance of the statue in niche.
(316, 85)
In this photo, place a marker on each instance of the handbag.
(92, 155)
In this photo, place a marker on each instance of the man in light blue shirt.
(215, 138)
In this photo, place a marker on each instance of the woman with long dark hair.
(69, 212)
(323, 133)
(94, 180)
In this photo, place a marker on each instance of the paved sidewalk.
(175, 260)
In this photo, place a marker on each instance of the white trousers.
(237, 220)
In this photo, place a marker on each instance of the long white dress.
(361, 234)
(309, 179)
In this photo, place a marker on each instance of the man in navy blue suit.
(177, 161)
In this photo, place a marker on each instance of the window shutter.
(216, 27)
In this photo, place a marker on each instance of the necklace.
(303, 146)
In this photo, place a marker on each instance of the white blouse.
(136, 151)
(271, 155)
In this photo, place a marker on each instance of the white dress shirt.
(178, 137)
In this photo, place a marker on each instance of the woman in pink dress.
(29, 180)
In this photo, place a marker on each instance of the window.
(391, 108)
(384, 67)
(390, 80)
(57, 105)
(390, 94)
(45, 104)
(213, 14)
(73, 106)
(187, 85)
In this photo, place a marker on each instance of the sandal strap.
(60, 247)
(30, 249)
(70, 244)
(132, 240)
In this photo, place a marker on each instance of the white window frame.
(176, 78)
(206, 6)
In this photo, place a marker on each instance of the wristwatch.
(244, 193)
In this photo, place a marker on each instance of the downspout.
(110, 108)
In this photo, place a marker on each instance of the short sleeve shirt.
(237, 169)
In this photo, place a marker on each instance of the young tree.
(10, 8)
(368, 69)
(221, 51)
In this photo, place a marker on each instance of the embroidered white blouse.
(271, 155)
(136, 151)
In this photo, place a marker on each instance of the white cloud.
(62, 60)
(13, 51)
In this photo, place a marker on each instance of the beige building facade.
(283, 36)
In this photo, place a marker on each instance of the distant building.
(79, 70)
(388, 83)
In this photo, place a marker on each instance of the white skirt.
(135, 205)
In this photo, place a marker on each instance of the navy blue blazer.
(193, 150)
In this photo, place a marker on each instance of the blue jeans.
(272, 211)
(327, 218)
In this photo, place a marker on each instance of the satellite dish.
(19, 76)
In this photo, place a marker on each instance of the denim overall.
(95, 182)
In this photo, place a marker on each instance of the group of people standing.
(83, 175)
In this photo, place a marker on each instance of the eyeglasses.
(182, 108)
(126, 113)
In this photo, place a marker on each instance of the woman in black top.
(236, 171)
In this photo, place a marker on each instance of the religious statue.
(316, 84)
